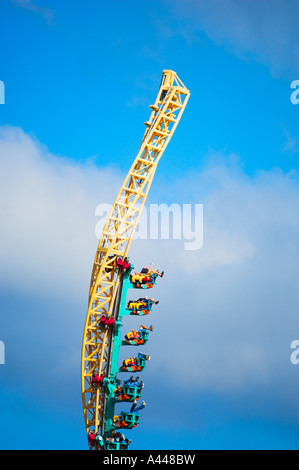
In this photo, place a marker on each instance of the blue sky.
(79, 77)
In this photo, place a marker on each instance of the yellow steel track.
(117, 235)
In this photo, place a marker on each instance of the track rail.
(116, 239)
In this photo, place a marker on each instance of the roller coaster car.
(139, 308)
(143, 339)
(96, 380)
(136, 367)
(128, 394)
(106, 322)
(123, 265)
(140, 312)
(116, 445)
(141, 281)
(126, 420)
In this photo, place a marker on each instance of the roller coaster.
(112, 276)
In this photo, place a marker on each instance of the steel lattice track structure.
(105, 285)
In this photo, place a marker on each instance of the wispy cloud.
(48, 207)
(227, 313)
(137, 101)
(231, 306)
(266, 31)
(291, 143)
(46, 13)
(167, 30)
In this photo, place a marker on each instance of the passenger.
(137, 277)
(147, 357)
(119, 263)
(137, 378)
(146, 300)
(132, 361)
(119, 437)
(91, 438)
(150, 271)
(121, 419)
(118, 391)
(127, 265)
(124, 421)
(97, 380)
(110, 322)
(138, 384)
(136, 305)
(99, 440)
(107, 322)
(129, 381)
(134, 382)
(148, 328)
(123, 264)
(134, 409)
(133, 335)
(137, 334)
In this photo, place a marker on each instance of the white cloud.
(291, 143)
(263, 30)
(47, 13)
(227, 313)
(48, 206)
